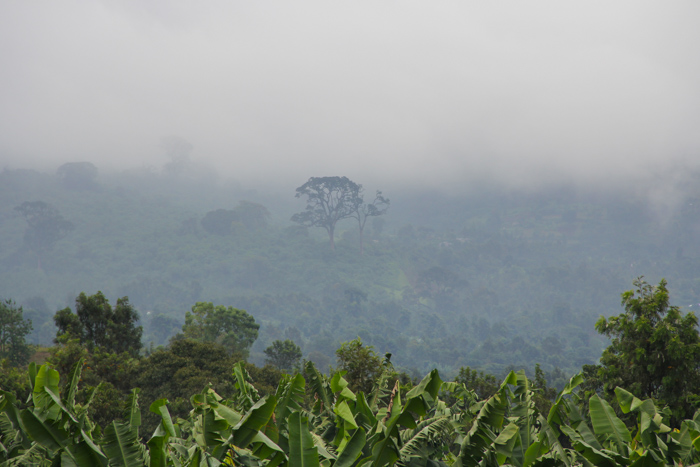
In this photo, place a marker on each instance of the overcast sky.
(427, 93)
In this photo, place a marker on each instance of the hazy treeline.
(530, 268)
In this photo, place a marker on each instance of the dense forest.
(253, 326)
(365, 414)
(444, 281)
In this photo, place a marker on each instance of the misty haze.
(225, 193)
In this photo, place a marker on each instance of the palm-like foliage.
(325, 424)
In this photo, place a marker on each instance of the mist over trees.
(535, 267)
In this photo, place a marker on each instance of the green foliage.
(544, 394)
(284, 355)
(97, 324)
(230, 327)
(14, 380)
(13, 331)
(328, 201)
(483, 384)
(417, 428)
(362, 364)
(182, 369)
(537, 268)
(106, 378)
(654, 349)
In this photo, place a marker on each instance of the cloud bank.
(436, 95)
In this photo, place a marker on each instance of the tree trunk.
(362, 246)
(331, 231)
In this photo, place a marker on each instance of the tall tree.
(45, 226)
(78, 176)
(13, 330)
(329, 200)
(654, 350)
(362, 364)
(233, 328)
(283, 355)
(97, 324)
(363, 211)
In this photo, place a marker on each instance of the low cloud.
(432, 95)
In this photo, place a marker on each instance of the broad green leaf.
(69, 400)
(363, 411)
(157, 450)
(256, 418)
(532, 453)
(160, 407)
(318, 387)
(49, 378)
(343, 411)
(57, 400)
(647, 460)
(430, 385)
(338, 383)
(262, 438)
(627, 401)
(290, 396)
(588, 452)
(44, 433)
(302, 451)
(133, 413)
(505, 440)
(121, 445)
(209, 428)
(228, 414)
(605, 422)
(553, 440)
(573, 383)
(352, 449)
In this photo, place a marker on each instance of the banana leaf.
(302, 451)
(121, 445)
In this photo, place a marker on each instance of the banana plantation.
(314, 420)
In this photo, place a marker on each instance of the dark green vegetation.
(312, 420)
(492, 280)
(208, 406)
(13, 331)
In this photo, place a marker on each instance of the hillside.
(444, 282)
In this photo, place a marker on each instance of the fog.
(420, 94)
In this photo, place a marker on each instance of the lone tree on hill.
(363, 211)
(329, 200)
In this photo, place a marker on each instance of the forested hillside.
(493, 279)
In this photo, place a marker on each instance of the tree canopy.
(328, 201)
(363, 211)
(97, 324)
(362, 364)
(13, 330)
(283, 355)
(654, 350)
(78, 175)
(235, 329)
